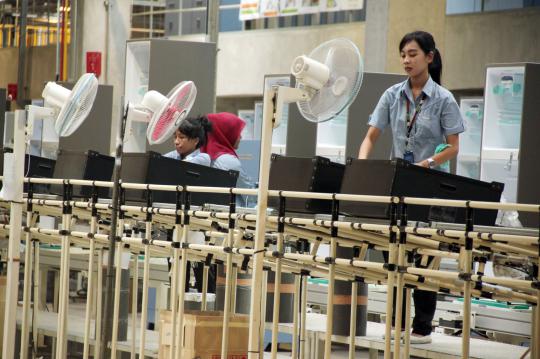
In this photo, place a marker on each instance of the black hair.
(427, 44)
(196, 127)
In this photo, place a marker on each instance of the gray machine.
(373, 86)
(159, 65)
(95, 132)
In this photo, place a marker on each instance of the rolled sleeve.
(451, 120)
(380, 118)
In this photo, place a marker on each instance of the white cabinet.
(510, 151)
(468, 160)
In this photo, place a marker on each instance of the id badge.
(408, 156)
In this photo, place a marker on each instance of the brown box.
(202, 335)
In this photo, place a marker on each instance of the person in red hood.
(223, 142)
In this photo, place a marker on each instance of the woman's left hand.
(423, 163)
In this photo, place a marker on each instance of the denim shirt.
(194, 157)
(230, 162)
(439, 117)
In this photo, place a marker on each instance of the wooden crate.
(202, 338)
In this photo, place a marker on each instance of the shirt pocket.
(428, 125)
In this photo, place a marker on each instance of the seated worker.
(191, 134)
(223, 142)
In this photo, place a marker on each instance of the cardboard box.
(202, 338)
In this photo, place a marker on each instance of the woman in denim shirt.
(422, 115)
(419, 104)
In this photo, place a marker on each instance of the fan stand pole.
(118, 278)
(108, 309)
(262, 200)
(296, 315)
(146, 277)
(277, 294)
(90, 286)
(273, 102)
(27, 286)
(134, 306)
(174, 288)
(15, 224)
(182, 282)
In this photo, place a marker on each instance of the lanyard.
(411, 121)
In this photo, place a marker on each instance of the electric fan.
(73, 106)
(163, 113)
(68, 109)
(327, 82)
(332, 75)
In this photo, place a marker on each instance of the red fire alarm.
(93, 62)
(12, 91)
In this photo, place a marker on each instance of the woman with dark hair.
(191, 134)
(425, 122)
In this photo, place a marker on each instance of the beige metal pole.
(37, 296)
(146, 274)
(389, 302)
(61, 345)
(303, 321)
(99, 304)
(134, 302)
(174, 289)
(227, 302)
(90, 289)
(296, 314)
(117, 285)
(330, 301)
(352, 335)
(255, 324)
(204, 288)
(277, 292)
(182, 288)
(26, 289)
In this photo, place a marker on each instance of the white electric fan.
(69, 109)
(163, 113)
(327, 82)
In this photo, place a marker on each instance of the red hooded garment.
(226, 130)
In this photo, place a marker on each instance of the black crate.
(170, 171)
(153, 168)
(401, 178)
(316, 174)
(38, 167)
(84, 165)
